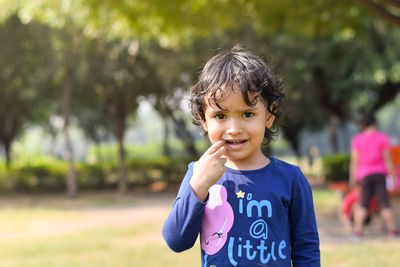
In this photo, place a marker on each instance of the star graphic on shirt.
(240, 194)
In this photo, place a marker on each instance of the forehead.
(231, 99)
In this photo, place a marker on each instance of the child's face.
(242, 128)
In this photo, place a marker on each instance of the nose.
(234, 127)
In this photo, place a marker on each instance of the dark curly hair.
(251, 76)
(367, 120)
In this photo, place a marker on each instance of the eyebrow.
(213, 110)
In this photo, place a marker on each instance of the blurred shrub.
(38, 175)
(45, 175)
(92, 176)
(336, 167)
(170, 170)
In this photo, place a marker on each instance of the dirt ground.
(108, 209)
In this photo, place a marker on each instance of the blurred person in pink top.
(369, 164)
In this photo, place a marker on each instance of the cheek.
(257, 131)
(214, 131)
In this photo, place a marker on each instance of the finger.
(223, 160)
(220, 152)
(214, 147)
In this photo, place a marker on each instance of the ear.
(270, 120)
(205, 126)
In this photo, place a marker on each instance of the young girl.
(349, 204)
(370, 162)
(250, 210)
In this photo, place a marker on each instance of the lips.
(235, 144)
(235, 141)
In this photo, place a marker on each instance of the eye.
(248, 114)
(220, 116)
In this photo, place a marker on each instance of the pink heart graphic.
(217, 220)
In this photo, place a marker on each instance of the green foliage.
(93, 176)
(170, 170)
(174, 23)
(34, 176)
(26, 67)
(108, 152)
(336, 167)
(335, 57)
(49, 175)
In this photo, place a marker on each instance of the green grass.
(138, 244)
(104, 246)
(325, 200)
(366, 254)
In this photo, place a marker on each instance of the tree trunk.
(291, 133)
(7, 148)
(333, 133)
(166, 147)
(72, 188)
(120, 133)
(184, 134)
(123, 179)
(180, 128)
(9, 128)
(384, 10)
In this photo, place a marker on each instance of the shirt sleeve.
(303, 225)
(183, 224)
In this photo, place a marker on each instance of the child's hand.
(208, 170)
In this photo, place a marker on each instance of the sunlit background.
(95, 124)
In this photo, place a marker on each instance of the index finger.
(214, 147)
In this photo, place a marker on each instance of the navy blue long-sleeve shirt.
(261, 217)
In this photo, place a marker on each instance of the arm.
(182, 226)
(353, 167)
(303, 225)
(387, 157)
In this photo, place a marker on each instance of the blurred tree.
(92, 114)
(175, 22)
(69, 43)
(176, 74)
(121, 74)
(335, 77)
(26, 68)
(387, 9)
(323, 31)
(93, 118)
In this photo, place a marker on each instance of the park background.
(96, 134)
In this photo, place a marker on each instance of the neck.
(259, 163)
(370, 128)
